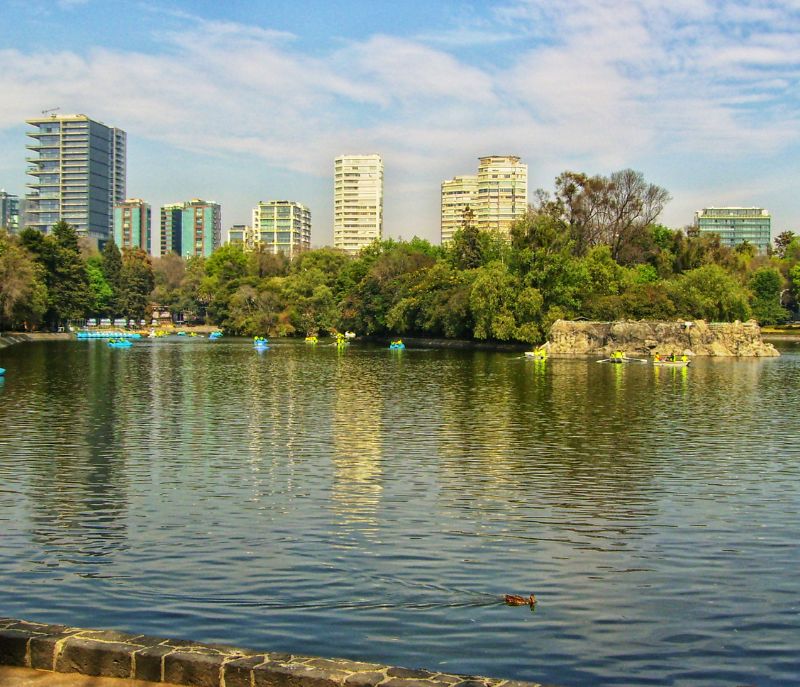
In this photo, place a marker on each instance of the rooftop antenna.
(52, 111)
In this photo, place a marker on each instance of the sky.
(247, 100)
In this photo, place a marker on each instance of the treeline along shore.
(592, 249)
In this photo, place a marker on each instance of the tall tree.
(136, 277)
(111, 265)
(67, 282)
(466, 249)
(23, 295)
(766, 284)
(614, 210)
(782, 242)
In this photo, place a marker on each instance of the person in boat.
(685, 358)
(618, 355)
(658, 357)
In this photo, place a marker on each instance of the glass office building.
(78, 168)
(735, 225)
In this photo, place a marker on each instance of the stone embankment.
(648, 337)
(65, 649)
(11, 338)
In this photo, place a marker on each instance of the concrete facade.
(357, 201)
(458, 194)
(282, 226)
(132, 224)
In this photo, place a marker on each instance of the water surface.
(376, 505)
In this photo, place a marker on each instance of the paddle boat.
(260, 343)
(119, 343)
(397, 345)
(537, 354)
(2, 371)
(349, 335)
(619, 357)
(671, 360)
(311, 339)
(213, 336)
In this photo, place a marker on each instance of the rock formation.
(648, 337)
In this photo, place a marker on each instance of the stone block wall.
(114, 654)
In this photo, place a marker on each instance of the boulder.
(648, 337)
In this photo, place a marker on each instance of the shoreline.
(112, 654)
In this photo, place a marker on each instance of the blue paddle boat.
(119, 343)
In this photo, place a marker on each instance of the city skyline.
(699, 97)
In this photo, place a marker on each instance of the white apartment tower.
(357, 201)
(502, 192)
(497, 196)
(458, 194)
(78, 169)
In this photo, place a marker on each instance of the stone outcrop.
(114, 654)
(647, 337)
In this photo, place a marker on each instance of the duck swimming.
(516, 600)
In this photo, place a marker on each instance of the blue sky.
(246, 101)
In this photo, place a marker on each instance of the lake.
(376, 505)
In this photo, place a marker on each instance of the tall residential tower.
(458, 195)
(201, 228)
(497, 196)
(132, 224)
(502, 192)
(78, 170)
(357, 201)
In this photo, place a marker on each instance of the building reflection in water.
(358, 406)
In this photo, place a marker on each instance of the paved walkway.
(25, 677)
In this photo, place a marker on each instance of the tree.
(137, 282)
(766, 284)
(782, 242)
(67, 282)
(466, 250)
(111, 266)
(23, 295)
(168, 272)
(615, 210)
(492, 302)
(710, 293)
(101, 294)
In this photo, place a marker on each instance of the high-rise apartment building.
(240, 235)
(201, 227)
(502, 192)
(132, 224)
(282, 226)
(78, 169)
(458, 194)
(9, 212)
(170, 232)
(497, 196)
(357, 201)
(735, 225)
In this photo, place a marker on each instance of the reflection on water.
(373, 505)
